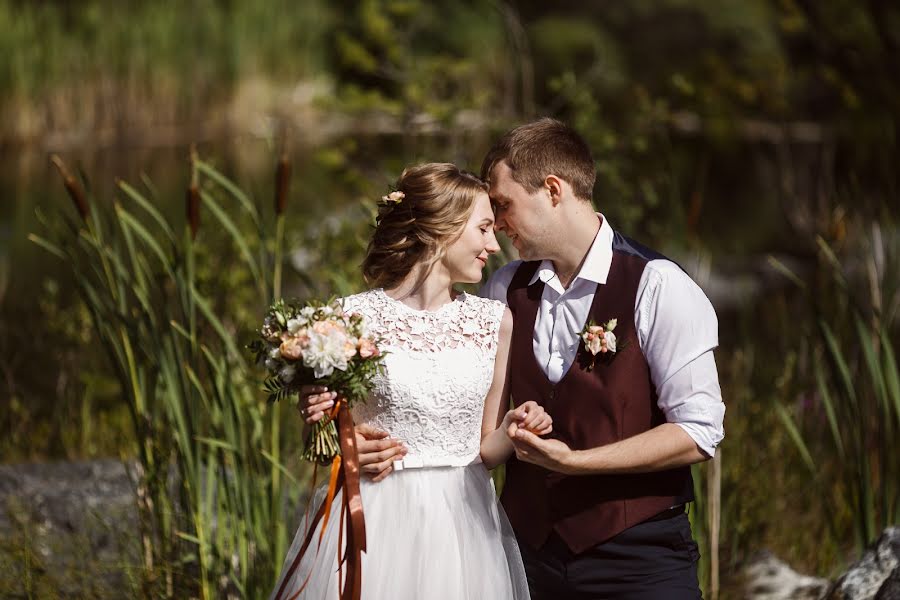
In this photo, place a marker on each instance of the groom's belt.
(667, 514)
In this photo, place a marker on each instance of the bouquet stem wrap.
(345, 475)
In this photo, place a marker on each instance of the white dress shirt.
(675, 322)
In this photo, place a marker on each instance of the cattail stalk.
(72, 187)
(282, 181)
(192, 198)
(192, 202)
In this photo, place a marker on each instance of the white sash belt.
(424, 462)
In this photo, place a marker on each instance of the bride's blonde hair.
(438, 199)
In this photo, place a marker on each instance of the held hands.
(524, 425)
(377, 451)
(530, 416)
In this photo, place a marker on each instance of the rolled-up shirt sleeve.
(678, 331)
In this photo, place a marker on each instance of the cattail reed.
(282, 179)
(71, 184)
(192, 198)
(192, 202)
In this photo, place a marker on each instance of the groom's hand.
(377, 451)
(548, 453)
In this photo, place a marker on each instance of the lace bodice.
(437, 373)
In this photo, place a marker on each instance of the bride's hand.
(530, 416)
(314, 401)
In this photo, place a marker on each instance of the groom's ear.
(554, 187)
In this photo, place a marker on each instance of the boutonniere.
(599, 340)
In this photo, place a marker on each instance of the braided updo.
(438, 199)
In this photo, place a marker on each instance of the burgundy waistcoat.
(591, 407)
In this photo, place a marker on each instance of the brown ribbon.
(356, 525)
(347, 472)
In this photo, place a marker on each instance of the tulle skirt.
(431, 533)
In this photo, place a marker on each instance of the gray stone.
(866, 577)
(767, 577)
(890, 589)
(67, 530)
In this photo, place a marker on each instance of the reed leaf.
(230, 187)
(796, 437)
(129, 221)
(828, 403)
(837, 356)
(891, 377)
(218, 326)
(786, 271)
(148, 207)
(47, 245)
(281, 468)
(869, 343)
(236, 235)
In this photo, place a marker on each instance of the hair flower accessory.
(395, 197)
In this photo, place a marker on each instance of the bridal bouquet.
(317, 344)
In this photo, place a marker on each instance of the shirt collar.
(596, 264)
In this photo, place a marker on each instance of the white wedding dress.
(434, 527)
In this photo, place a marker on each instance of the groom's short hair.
(541, 148)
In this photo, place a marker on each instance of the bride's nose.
(492, 247)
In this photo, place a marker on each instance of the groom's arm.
(664, 447)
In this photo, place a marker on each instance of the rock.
(890, 589)
(874, 574)
(67, 529)
(768, 578)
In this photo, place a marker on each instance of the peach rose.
(367, 348)
(292, 348)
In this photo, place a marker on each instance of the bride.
(434, 529)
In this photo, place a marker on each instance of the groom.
(599, 509)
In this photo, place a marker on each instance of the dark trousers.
(650, 561)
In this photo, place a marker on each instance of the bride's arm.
(496, 446)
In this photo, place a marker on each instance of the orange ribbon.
(345, 474)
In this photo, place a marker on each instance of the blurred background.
(753, 141)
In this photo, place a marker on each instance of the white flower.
(275, 352)
(307, 312)
(610, 339)
(396, 197)
(294, 325)
(610, 325)
(271, 364)
(287, 373)
(327, 310)
(326, 351)
(363, 328)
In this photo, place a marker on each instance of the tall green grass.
(855, 382)
(210, 482)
